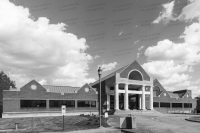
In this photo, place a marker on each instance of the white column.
(116, 96)
(108, 102)
(126, 98)
(140, 102)
(143, 98)
(151, 98)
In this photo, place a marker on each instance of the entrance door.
(112, 102)
(121, 101)
(133, 101)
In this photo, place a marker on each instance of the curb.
(9, 130)
(192, 120)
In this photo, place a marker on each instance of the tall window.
(86, 103)
(164, 105)
(112, 101)
(32, 103)
(177, 105)
(59, 103)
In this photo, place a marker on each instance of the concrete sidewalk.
(97, 130)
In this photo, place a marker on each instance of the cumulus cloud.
(170, 88)
(42, 82)
(107, 67)
(197, 82)
(169, 73)
(140, 53)
(177, 80)
(35, 49)
(191, 69)
(186, 52)
(164, 69)
(184, 55)
(166, 14)
(195, 90)
(191, 11)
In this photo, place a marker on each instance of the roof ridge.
(60, 86)
(108, 75)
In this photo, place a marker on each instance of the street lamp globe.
(99, 71)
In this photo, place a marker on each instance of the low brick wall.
(174, 110)
(46, 113)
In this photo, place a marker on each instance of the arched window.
(135, 75)
(156, 88)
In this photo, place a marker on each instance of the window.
(155, 104)
(187, 105)
(177, 105)
(59, 103)
(33, 103)
(86, 103)
(164, 94)
(165, 105)
(120, 88)
(112, 88)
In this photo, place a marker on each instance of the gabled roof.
(181, 93)
(94, 89)
(65, 89)
(173, 95)
(110, 75)
(61, 89)
(157, 83)
(178, 94)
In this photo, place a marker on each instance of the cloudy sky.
(62, 42)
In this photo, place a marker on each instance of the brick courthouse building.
(128, 88)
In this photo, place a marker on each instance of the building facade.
(37, 98)
(128, 88)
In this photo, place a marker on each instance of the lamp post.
(189, 103)
(99, 73)
(90, 102)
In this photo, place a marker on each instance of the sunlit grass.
(39, 124)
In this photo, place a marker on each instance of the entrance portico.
(146, 89)
(127, 88)
(134, 84)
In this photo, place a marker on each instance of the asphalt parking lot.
(161, 123)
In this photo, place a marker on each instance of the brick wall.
(174, 100)
(12, 99)
(136, 66)
(1, 101)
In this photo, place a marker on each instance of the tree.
(197, 98)
(5, 84)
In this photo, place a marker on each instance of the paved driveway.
(161, 123)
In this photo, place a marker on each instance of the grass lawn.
(52, 124)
